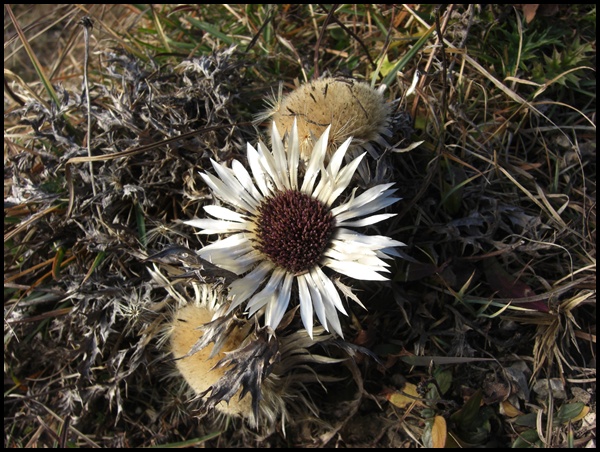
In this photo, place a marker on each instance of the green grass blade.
(408, 57)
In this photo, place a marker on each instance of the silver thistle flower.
(284, 229)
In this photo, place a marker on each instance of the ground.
(484, 334)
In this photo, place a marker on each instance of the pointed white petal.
(374, 242)
(366, 209)
(328, 182)
(324, 188)
(246, 262)
(354, 252)
(233, 243)
(224, 214)
(222, 191)
(269, 165)
(242, 289)
(246, 180)
(328, 289)
(315, 164)
(370, 201)
(257, 170)
(306, 304)
(229, 178)
(344, 178)
(326, 312)
(369, 261)
(210, 226)
(337, 158)
(277, 307)
(279, 156)
(293, 156)
(386, 253)
(225, 253)
(367, 221)
(334, 320)
(264, 296)
(355, 270)
(317, 300)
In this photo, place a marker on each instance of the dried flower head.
(235, 367)
(352, 108)
(285, 229)
(200, 368)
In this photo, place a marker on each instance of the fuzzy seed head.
(353, 109)
(197, 369)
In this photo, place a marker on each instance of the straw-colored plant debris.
(126, 124)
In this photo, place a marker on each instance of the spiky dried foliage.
(91, 354)
(492, 320)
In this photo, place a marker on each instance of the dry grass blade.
(541, 204)
(34, 60)
(29, 222)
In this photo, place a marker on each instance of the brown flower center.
(293, 230)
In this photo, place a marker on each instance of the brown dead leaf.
(403, 399)
(438, 432)
(529, 11)
(508, 409)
